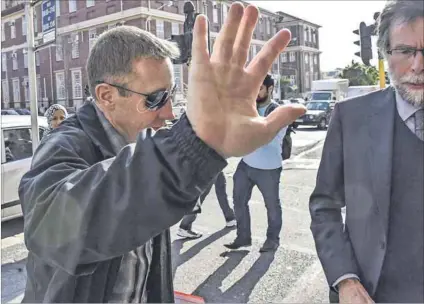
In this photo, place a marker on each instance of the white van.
(16, 155)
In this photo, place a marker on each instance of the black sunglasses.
(154, 101)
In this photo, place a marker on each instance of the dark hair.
(395, 12)
(268, 81)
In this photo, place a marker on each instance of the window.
(224, 12)
(25, 84)
(160, 30)
(292, 57)
(75, 46)
(16, 90)
(58, 8)
(5, 90)
(15, 61)
(314, 36)
(35, 23)
(17, 144)
(72, 6)
(92, 37)
(24, 26)
(268, 26)
(292, 79)
(59, 50)
(3, 32)
(3, 62)
(284, 57)
(37, 58)
(254, 51)
(215, 12)
(315, 59)
(90, 3)
(12, 30)
(307, 80)
(316, 76)
(25, 60)
(39, 88)
(178, 77)
(76, 84)
(60, 85)
(175, 28)
(306, 58)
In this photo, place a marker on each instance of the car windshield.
(321, 96)
(321, 106)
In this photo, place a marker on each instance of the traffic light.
(365, 32)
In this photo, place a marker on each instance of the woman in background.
(55, 115)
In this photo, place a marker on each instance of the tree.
(360, 74)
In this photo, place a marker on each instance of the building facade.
(60, 66)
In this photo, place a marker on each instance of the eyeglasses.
(405, 53)
(154, 101)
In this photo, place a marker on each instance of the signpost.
(48, 9)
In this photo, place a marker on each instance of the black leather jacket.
(85, 207)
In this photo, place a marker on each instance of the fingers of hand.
(244, 35)
(223, 48)
(200, 51)
(262, 62)
(282, 117)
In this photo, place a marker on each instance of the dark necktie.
(419, 124)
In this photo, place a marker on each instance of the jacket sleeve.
(331, 239)
(78, 212)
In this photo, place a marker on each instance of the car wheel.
(322, 124)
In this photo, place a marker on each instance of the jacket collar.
(92, 126)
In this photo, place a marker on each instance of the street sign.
(48, 8)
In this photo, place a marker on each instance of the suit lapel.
(380, 151)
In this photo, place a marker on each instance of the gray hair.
(394, 13)
(115, 50)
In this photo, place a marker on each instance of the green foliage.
(360, 74)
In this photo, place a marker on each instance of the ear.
(270, 89)
(106, 95)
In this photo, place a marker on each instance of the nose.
(166, 112)
(418, 63)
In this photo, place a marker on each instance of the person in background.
(55, 115)
(372, 164)
(261, 168)
(186, 231)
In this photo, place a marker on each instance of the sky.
(338, 20)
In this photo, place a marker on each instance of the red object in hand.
(183, 298)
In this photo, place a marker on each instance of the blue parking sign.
(48, 8)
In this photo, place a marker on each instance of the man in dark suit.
(372, 164)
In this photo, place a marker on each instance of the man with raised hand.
(103, 188)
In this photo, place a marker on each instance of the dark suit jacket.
(355, 172)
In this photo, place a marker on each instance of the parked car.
(318, 114)
(23, 111)
(298, 100)
(16, 155)
(9, 112)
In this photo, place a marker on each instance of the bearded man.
(372, 164)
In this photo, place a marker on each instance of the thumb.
(283, 116)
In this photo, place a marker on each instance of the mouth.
(415, 86)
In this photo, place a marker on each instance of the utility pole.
(32, 74)
(381, 73)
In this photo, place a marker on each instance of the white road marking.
(12, 241)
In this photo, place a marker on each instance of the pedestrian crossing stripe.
(12, 241)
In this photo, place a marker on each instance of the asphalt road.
(204, 267)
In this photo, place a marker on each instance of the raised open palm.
(222, 91)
